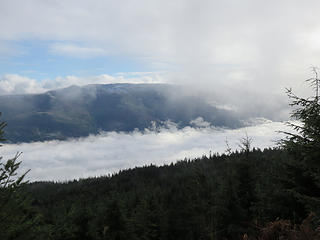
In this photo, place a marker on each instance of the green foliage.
(204, 198)
(305, 143)
(303, 171)
(18, 220)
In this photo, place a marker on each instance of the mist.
(109, 152)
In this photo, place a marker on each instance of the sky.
(243, 54)
(262, 46)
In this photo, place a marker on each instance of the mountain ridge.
(79, 111)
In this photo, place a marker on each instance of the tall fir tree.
(303, 144)
(18, 220)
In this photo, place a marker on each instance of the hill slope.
(215, 197)
(80, 111)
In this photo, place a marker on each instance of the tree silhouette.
(17, 218)
(304, 146)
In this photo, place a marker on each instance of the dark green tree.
(115, 222)
(303, 144)
(17, 218)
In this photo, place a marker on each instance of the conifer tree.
(304, 146)
(17, 218)
(306, 139)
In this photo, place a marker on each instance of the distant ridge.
(79, 111)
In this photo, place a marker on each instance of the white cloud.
(199, 122)
(110, 152)
(73, 50)
(16, 84)
(270, 41)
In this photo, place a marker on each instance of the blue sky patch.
(35, 59)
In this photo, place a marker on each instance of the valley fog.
(110, 152)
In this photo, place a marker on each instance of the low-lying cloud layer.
(110, 152)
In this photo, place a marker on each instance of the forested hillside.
(212, 197)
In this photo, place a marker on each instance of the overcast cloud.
(244, 52)
(110, 152)
(234, 42)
